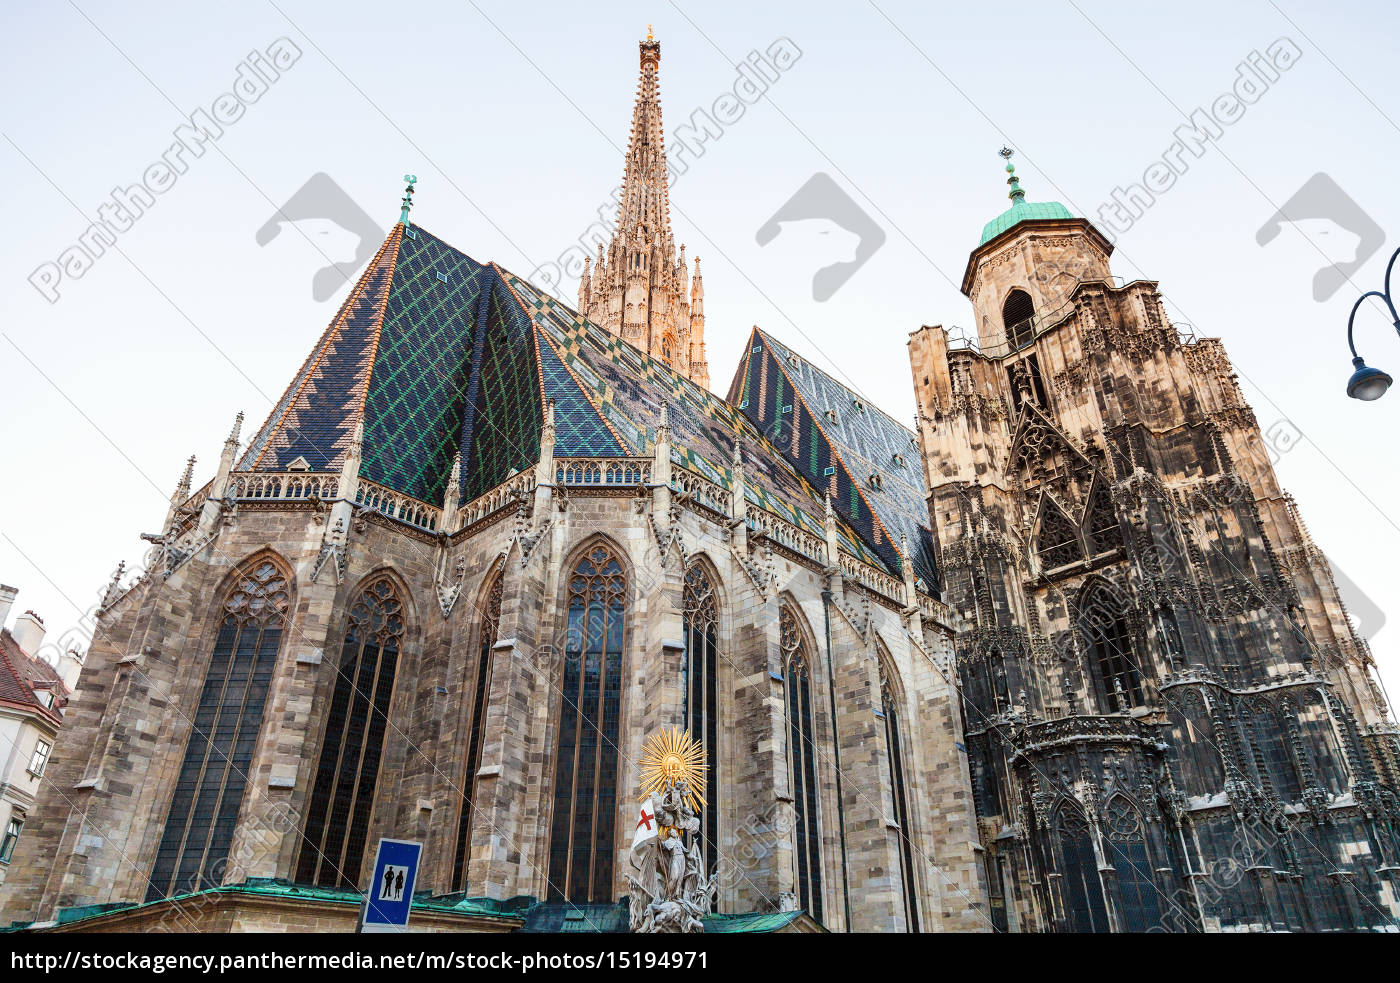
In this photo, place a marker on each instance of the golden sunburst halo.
(671, 756)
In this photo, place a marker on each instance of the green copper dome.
(1020, 212)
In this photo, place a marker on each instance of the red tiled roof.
(20, 672)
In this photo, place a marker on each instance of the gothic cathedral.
(1061, 658)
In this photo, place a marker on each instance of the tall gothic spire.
(640, 287)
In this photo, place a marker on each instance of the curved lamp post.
(1368, 383)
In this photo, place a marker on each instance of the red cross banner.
(646, 824)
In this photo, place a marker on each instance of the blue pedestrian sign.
(390, 892)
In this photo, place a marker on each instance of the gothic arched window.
(1057, 541)
(581, 843)
(1101, 527)
(802, 766)
(214, 773)
(1127, 852)
(894, 749)
(1111, 662)
(1017, 315)
(702, 694)
(1082, 891)
(337, 818)
(481, 686)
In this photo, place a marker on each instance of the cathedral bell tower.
(640, 288)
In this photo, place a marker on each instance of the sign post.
(390, 893)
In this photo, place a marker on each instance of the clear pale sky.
(514, 117)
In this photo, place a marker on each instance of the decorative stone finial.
(237, 429)
(407, 202)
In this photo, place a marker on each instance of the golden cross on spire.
(649, 37)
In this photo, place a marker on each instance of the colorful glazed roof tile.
(852, 450)
(439, 354)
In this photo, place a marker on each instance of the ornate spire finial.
(649, 37)
(407, 202)
(237, 428)
(1017, 195)
(188, 476)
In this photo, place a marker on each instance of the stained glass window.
(802, 752)
(481, 686)
(337, 820)
(209, 787)
(581, 847)
(702, 695)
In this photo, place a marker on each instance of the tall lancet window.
(337, 819)
(584, 825)
(481, 687)
(802, 760)
(209, 787)
(895, 750)
(702, 695)
(1112, 665)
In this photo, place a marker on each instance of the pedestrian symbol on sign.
(391, 887)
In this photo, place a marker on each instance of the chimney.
(7, 600)
(70, 666)
(28, 633)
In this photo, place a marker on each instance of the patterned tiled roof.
(854, 451)
(440, 353)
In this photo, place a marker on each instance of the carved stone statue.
(669, 889)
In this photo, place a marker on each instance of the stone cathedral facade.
(1062, 658)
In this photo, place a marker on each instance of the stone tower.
(640, 289)
(1169, 718)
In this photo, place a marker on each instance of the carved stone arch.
(1121, 817)
(595, 539)
(890, 681)
(1056, 536)
(264, 554)
(413, 629)
(701, 561)
(795, 634)
(1101, 527)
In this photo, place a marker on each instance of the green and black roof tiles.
(438, 353)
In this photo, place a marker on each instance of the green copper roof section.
(1022, 211)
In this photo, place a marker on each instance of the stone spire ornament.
(640, 288)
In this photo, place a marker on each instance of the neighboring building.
(484, 546)
(33, 694)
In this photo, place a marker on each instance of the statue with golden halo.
(670, 891)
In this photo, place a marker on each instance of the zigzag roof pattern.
(858, 454)
(440, 355)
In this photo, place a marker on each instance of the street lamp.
(1368, 383)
